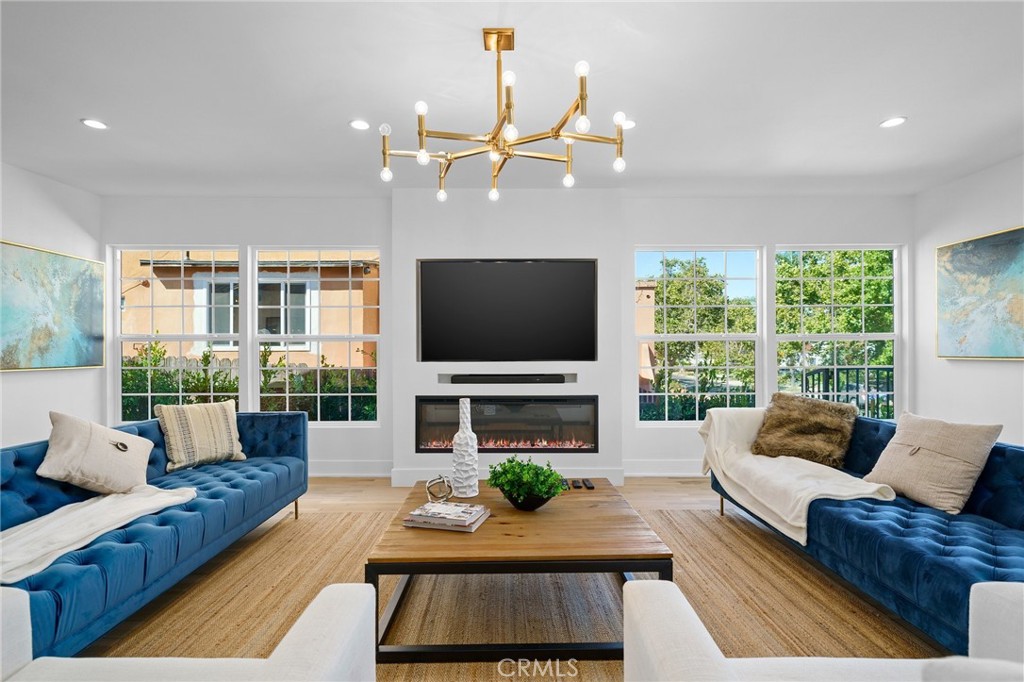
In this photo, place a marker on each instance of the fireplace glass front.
(510, 423)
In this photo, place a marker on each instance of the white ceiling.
(254, 99)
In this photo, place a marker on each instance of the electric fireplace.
(510, 423)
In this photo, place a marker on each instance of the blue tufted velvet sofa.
(917, 561)
(86, 592)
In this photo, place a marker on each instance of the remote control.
(588, 484)
(565, 484)
(576, 483)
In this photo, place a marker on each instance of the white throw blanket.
(30, 547)
(778, 489)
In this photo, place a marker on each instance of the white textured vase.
(465, 459)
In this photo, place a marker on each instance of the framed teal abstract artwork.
(980, 292)
(51, 309)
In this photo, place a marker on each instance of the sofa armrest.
(274, 434)
(15, 631)
(664, 639)
(997, 621)
(727, 427)
(333, 639)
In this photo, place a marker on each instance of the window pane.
(710, 264)
(787, 264)
(364, 408)
(878, 263)
(787, 292)
(679, 320)
(648, 265)
(849, 319)
(710, 320)
(817, 264)
(679, 264)
(846, 263)
(878, 319)
(878, 291)
(652, 408)
(741, 264)
(787, 320)
(741, 320)
(676, 292)
(710, 292)
(681, 408)
(741, 291)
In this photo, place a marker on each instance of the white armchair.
(664, 640)
(331, 640)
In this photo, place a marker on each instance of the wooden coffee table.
(581, 531)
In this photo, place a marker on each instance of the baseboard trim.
(350, 468)
(662, 467)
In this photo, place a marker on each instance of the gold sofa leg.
(721, 506)
(296, 509)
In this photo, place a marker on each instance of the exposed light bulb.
(619, 118)
(359, 124)
(384, 129)
(511, 133)
(421, 108)
(494, 156)
(442, 196)
(493, 195)
(619, 164)
(93, 123)
(628, 125)
(422, 157)
(386, 174)
(508, 78)
(568, 140)
(582, 69)
(568, 180)
(583, 125)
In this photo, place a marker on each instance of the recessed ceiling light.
(893, 122)
(93, 123)
(359, 124)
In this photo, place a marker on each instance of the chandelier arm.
(527, 139)
(590, 138)
(496, 130)
(469, 152)
(497, 166)
(442, 171)
(464, 137)
(541, 155)
(562, 122)
(413, 155)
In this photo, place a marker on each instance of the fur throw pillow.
(817, 430)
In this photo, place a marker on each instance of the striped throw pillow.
(199, 434)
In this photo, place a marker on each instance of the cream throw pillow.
(935, 462)
(199, 434)
(94, 457)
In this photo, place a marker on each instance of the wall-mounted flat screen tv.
(507, 310)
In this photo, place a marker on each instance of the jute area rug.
(756, 596)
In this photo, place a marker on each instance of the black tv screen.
(507, 310)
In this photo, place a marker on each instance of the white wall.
(333, 449)
(976, 391)
(41, 212)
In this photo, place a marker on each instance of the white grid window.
(318, 328)
(175, 347)
(696, 328)
(835, 324)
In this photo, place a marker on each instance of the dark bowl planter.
(528, 503)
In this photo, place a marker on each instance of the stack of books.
(459, 516)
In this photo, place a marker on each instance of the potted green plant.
(524, 484)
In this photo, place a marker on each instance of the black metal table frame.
(451, 653)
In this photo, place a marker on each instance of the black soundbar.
(508, 378)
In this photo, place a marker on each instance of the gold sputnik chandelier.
(503, 141)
